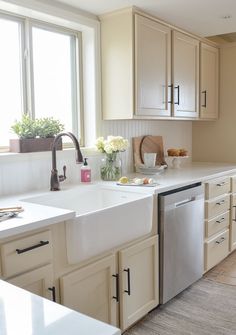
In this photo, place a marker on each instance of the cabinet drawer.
(217, 206)
(217, 224)
(217, 187)
(24, 254)
(216, 249)
(233, 184)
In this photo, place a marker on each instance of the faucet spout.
(55, 180)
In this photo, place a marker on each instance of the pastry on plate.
(183, 152)
(173, 152)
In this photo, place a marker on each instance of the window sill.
(66, 152)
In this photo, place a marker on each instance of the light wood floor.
(225, 272)
(208, 307)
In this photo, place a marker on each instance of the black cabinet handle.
(128, 280)
(53, 290)
(116, 297)
(171, 94)
(220, 202)
(177, 88)
(221, 240)
(205, 98)
(40, 244)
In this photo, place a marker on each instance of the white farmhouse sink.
(105, 218)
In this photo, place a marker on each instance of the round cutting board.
(151, 144)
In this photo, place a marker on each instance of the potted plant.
(35, 135)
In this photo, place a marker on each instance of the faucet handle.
(63, 177)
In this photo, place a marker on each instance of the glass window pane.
(11, 105)
(53, 69)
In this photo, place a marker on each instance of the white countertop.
(37, 216)
(24, 313)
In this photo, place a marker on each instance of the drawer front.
(217, 187)
(233, 184)
(217, 206)
(24, 254)
(216, 249)
(217, 224)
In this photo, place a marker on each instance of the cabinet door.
(91, 290)
(152, 67)
(185, 75)
(232, 230)
(209, 82)
(39, 281)
(138, 266)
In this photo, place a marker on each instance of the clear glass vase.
(111, 167)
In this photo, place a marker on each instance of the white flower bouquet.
(112, 144)
(111, 165)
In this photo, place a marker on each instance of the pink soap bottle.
(85, 172)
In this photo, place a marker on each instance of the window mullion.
(30, 110)
(79, 93)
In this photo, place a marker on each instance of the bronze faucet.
(55, 179)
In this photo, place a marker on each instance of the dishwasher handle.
(184, 202)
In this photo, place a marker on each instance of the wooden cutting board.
(148, 144)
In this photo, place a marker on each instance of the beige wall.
(216, 141)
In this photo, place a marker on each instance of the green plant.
(43, 127)
(48, 127)
(25, 128)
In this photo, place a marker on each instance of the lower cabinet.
(139, 289)
(39, 281)
(91, 290)
(233, 223)
(216, 249)
(104, 293)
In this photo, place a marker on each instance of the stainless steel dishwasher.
(181, 222)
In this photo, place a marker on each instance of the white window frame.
(89, 25)
(27, 75)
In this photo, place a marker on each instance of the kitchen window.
(40, 74)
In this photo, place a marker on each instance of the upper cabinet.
(151, 70)
(152, 67)
(209, 84)
(185, 70)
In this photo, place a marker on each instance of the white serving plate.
(151, 170)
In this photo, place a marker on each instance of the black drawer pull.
(53, 290)
(40, 244)
(220, 202)
(221, 220)
(222, 183)
(221, 240)
(128, 279)
(116, 297)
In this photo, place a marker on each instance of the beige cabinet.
(233, 223)
(185, 71)
(26, 253)
(92, 290)
(152, 68)
(139, 291)
(104, 293)
(218, 209)
(216, 249)
(39, 281)
(149, 70)
(209, 81)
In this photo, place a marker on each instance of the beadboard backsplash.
(175, 134)
(25, 172)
